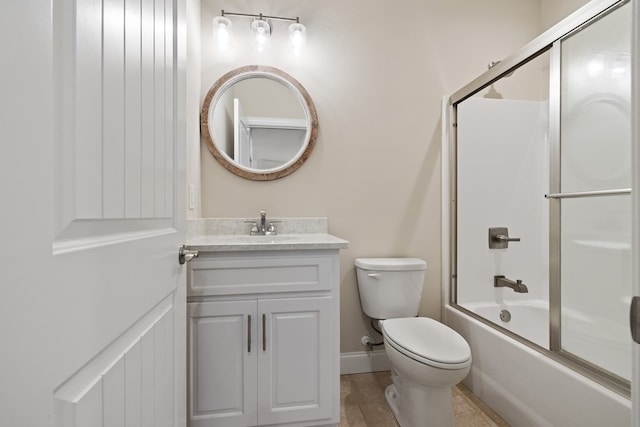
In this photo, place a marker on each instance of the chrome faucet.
(517, 286)
(263, 222)
(262, 228)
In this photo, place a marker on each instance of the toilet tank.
(390, 287)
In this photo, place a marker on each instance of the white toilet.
(427, 357)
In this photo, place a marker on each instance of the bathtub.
(524, 386)
(529, 319)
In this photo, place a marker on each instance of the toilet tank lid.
(391, 264)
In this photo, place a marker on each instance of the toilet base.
(391, 396)
(420, 406)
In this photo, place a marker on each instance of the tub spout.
(517, 286)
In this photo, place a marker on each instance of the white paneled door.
(92, 298)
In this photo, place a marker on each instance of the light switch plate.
(192, 197)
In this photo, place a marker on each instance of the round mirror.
(259, 122)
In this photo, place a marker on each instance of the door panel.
(295, 362)
(115, 170)
(222, 356)
(92, 302)
(242, 150)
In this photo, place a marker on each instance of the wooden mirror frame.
(252, 71)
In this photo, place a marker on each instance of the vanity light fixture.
(297, 35)
(261, 31)
(260, 28)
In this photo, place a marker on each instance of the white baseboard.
(364, 361)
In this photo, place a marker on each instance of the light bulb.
(297, 35)
(261, 31)
(222, 31)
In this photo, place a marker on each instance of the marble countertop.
(232, 234)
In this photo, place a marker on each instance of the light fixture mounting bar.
(261, 16)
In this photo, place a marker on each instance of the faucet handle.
(499, 238)
(503, 238)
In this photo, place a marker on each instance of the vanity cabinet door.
(222, 363)
(296, 375)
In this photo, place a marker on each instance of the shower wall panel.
(502, 178)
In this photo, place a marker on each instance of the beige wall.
(552, 11)
(377, 74)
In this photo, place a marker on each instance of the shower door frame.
(548, 41)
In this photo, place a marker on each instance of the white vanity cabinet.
(263, 338)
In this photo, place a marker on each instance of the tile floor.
(362, 404)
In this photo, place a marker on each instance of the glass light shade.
(297, 35)
(222, 30)
(261, 31)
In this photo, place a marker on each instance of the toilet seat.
(427, 341)
(391, 264)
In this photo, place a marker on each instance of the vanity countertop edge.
(243, 243)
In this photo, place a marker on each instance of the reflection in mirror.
(259, 122)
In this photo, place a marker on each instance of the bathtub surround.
(520, 144)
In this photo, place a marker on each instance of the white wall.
(376, 78)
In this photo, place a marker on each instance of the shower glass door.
(542, 146)
(502, 175)
(592, 207)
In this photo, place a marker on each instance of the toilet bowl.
(426, 356)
